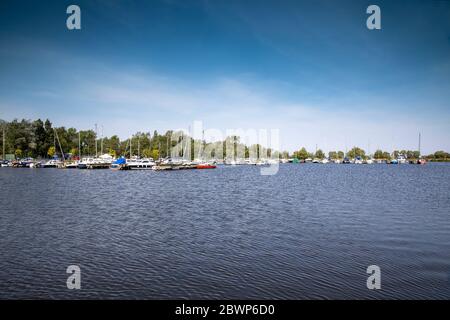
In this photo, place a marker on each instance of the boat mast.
(200, 151)
(130, 145)
(139, 148)
(159, 150)
(234, 148)
(60, 147)
(203, 146)
(79, 145)
(3, 142)
(419, 143)
(96, 150)
(101, 143)
(167, 145)
(182, 145)
(185, 153)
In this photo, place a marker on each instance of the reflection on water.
(308, 232)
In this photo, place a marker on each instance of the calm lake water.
(308, 232)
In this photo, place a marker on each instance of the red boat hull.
(206, 166)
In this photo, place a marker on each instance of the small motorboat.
(206, 166)
(140, 164)
(421, 161)
(166, 164)
(120, 164)
(102, 162)
(51, 164)
(24, 163)
(83, 164)
(162, 167)
(71, 165)
(358, 160)
(401, 159)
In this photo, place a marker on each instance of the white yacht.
(401, 159)
(140, 164)
(83, 164)
(102, 162)
(52, 164)
(71, 165)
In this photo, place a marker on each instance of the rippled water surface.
(308, 232)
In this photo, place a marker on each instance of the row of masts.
(168, 147)
(56, 139)
(101, 141)
(3, 142)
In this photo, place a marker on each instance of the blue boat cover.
(121, 160)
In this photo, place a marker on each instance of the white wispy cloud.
(126, 101)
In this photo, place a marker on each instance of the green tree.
(51, 151)
(386, 155)
(147, 153)
(112, 152)
(319, 154)
(378, 154)
(49, 137)
(155, 154)
(412, 154)
(302, 154)
(74, 151)
(18, 153)
(356, 152)
(441, 155)
(113, 144)
(40, 136)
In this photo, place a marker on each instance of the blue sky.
(309, 68)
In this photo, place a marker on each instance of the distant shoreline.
(40, 139)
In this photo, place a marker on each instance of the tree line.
(40, 139)
(355, 152)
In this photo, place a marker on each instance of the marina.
(167, 164)
(135, 163)
(173, 153)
